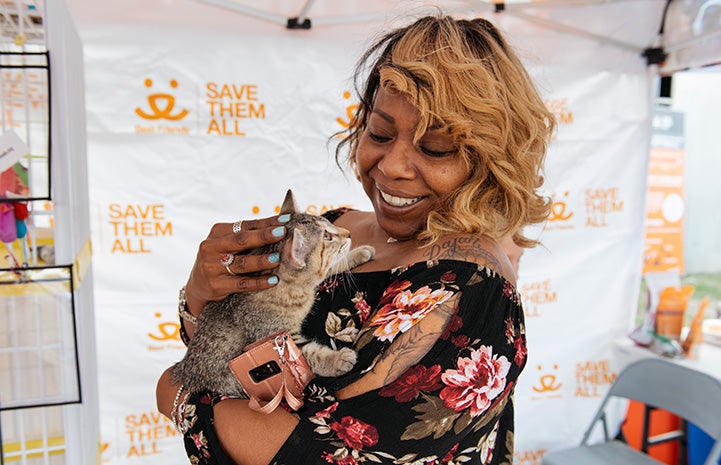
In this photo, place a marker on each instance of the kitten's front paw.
(345, 359)
(363, 253)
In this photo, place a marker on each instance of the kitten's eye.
(327, 236)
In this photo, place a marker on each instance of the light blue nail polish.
(279, 231)
(274, 258)
(273, 280)
(284, 218)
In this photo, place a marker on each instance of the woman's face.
(403, 180)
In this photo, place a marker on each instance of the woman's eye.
(377, 137)
(437, 153)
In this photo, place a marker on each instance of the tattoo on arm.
(469, 249)
(414, 344)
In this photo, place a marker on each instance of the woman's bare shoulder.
(478, 249)
(351, 217)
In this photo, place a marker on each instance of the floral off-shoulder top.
(455, 406)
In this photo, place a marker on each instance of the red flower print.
(415, 380)
(391, 291)
(510, 330)
(347, 460)
(355, 433)
(509, 290)
(449, 455)
(454, 325)
(448, 277)
(361, 306)
(326, 412)
(460, 341)
(328, 285)
(405, 310)
(521, 351)
(477, 381)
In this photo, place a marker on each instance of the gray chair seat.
(607, 453)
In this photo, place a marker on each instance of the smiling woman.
(448, 143)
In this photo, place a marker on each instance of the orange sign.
(663, 248)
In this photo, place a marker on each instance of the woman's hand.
(210, 279)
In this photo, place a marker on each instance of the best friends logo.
(165, 334)
(160, 108)
(223, 108)
(561, 213)
(547, 385)
(350, 111)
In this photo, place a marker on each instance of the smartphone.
(264, 371)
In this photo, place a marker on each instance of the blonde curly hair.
(463, 76)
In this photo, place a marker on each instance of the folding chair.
(660, 383)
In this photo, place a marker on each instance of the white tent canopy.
(687, 33)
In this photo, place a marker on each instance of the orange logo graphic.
(547, 382)
(350, 111)
(169, 331)
(158, 99)
(558, 209)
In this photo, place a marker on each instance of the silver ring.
(227, 259)
(230, 272)
(237, 226)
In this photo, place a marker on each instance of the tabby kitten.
(312, 250)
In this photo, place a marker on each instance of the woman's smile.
(405, 178)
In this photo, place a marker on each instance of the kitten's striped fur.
(312, 250)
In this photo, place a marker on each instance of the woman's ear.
(288, 204)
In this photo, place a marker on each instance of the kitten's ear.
(288, 204)
(296, 250)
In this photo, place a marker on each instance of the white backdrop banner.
(210, 126)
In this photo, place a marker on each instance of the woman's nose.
(397, 162)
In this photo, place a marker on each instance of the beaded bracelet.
(183, 308)
(177, 414)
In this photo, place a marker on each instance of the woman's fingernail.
(274, 258)
(273, 280)
(279, 231)
(284, 218)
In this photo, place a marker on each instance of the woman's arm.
(247, 436)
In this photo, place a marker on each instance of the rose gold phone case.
(263, 352)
